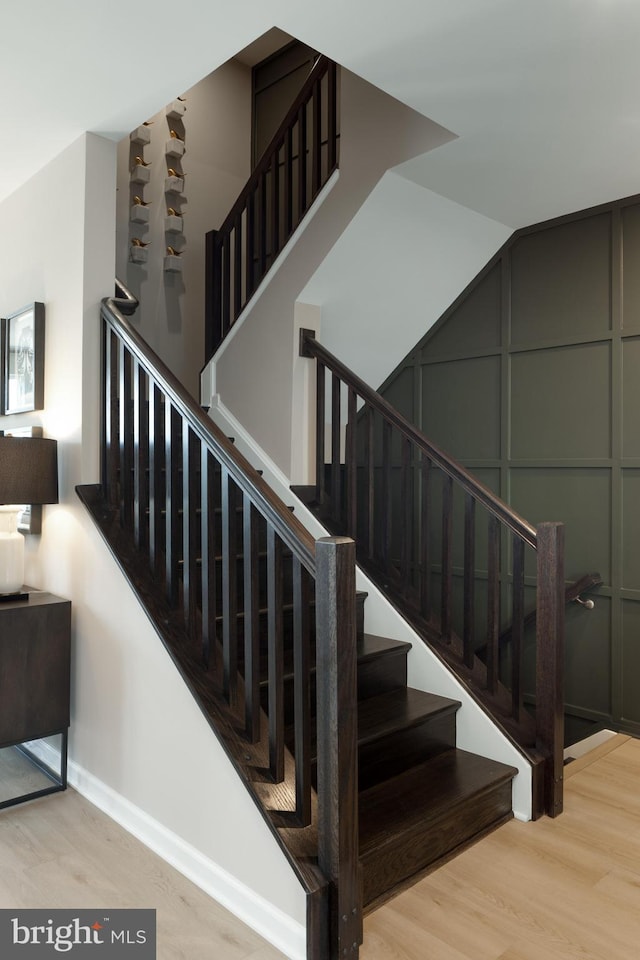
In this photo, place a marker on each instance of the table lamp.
(28, 474)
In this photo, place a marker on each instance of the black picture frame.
(23, 360)
(30, 518)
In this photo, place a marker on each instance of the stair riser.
(382, 673)
(389, 756)
(398, 733)
(375, 676)
(418, 849)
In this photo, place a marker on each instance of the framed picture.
(30, 519)
(23, 360)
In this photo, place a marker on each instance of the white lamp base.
(11, 551)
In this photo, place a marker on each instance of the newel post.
(337, 741)
(550, 661)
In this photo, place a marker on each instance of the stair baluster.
(550, 660)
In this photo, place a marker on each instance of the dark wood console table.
(35, 648)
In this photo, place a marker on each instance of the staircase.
(356, 773)
(421, 800)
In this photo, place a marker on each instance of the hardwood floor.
(552, 890)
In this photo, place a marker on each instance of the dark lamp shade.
(28, 470)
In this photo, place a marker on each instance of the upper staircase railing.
(224, 569)
(287, 179)
(450, 553)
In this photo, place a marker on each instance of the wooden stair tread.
(424, 795)
(371, 646)
(398, 710)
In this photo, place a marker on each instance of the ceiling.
(542, 96)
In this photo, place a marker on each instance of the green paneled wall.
(571, 418)
(532, 380)
(461, 406)
(561, 282)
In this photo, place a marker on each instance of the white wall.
(136, 735)
(216, 162)
(377, 132)
(404, 258)
(41, 246)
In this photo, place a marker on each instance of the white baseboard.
(284, 933)
(579, 749)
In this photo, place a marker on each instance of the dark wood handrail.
(318, 70)
(288, 527)
(310, 347)
(587, 582)
(126, 302)
(572, 592)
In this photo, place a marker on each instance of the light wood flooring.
(553, 890)
(558, 889)
(61, 851)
